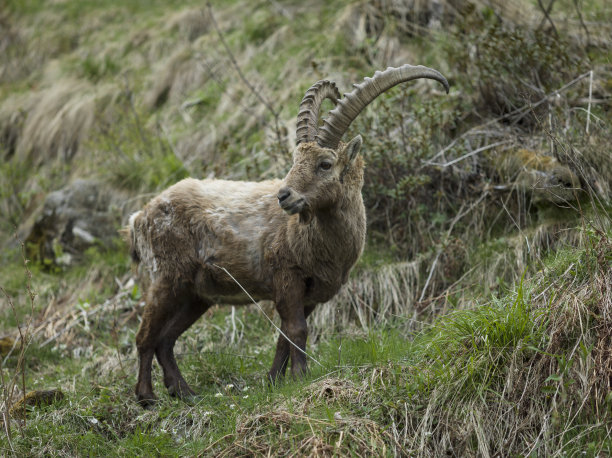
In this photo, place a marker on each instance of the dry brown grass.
(397, 291)
(177, 77)
(56, 122)
(375, 295)
(273, 431)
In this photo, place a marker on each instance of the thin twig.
(264, 313)
(471, 153)
(528, 108)
(546, 12)
(24, 339)
(589, 104)
(519, 111)
(431, 271)
(5, 412)
(582, 23)
(211, 72)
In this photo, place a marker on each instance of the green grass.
(387, 388)
(509, 360)
(74, 9)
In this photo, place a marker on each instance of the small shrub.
(409, 203)
(510, 66)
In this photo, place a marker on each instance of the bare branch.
(246, 82)
(546, 17)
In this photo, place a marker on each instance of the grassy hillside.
(478, 320)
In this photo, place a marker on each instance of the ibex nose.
(283, 193)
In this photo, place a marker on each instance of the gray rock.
(70, 221)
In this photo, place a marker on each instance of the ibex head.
(319, 176)
(322, 165)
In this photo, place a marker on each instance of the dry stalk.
(588, 121)
(8, 386)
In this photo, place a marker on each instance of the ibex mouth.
(293, 207)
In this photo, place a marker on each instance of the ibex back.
(292, 241)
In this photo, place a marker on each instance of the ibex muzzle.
(290, 201)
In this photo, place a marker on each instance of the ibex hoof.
(274, 379)
(147, 402)
(181, 391)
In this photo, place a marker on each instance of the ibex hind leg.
(144, 388)
(190, 309)
(159, 302)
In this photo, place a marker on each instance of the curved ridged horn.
(347, 109)
(308, 116)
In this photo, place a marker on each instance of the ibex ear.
(353, 147)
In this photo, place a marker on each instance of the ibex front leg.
(283, 352)
(289, 305)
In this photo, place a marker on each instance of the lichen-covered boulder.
(70, 221)
(7, 345)
(541, 176)
(38, 398)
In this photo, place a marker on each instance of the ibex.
(293, 241)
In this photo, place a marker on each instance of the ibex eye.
(325, 165)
